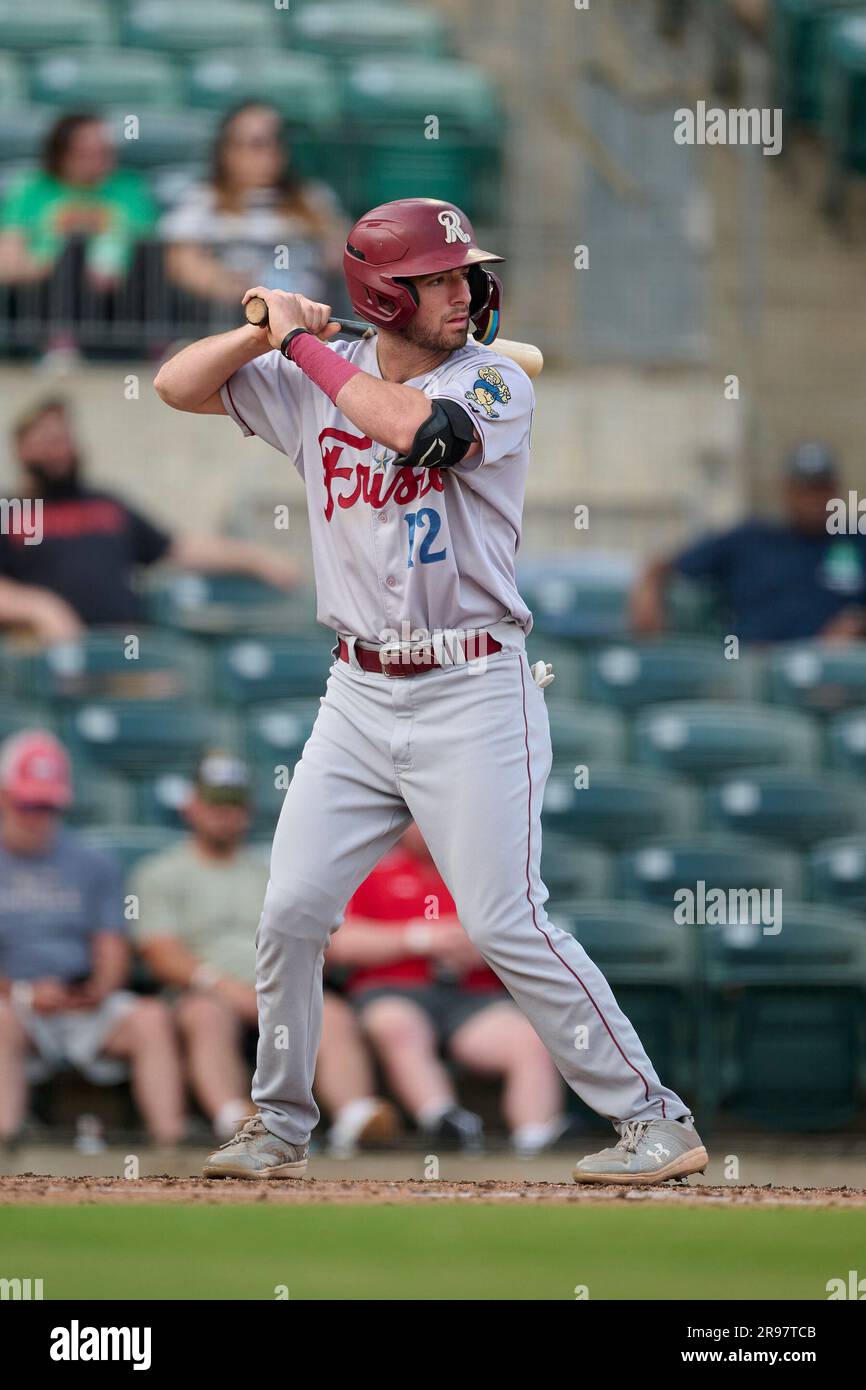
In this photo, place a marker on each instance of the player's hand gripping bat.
(526, 355)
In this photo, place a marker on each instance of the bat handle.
(256, 313)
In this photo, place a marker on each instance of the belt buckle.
(390, 667)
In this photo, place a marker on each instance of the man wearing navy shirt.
(781, 581)
(81, 571)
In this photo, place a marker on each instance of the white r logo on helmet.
(453, 230)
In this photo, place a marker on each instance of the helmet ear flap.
(484, 307)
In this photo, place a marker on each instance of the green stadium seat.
(354, 28)
(97, 666)
(12, 85)
(163, 137)
(100, 798)
(799, 33)
(187, 26)
(845, 105)
(265, 667)
(846, 740)
(572, 870)
(142, 739)
(837, 873)
(817, 677)
(390, 164)
(619, 806)
(221, 604)
(88, 78)
(783, 1019)
(16, 715)
(630, 674)
(575, 601)
(706, 738)
(406, 90)
(52, 22)
(275, 733)
(127, 844)
(22, 132)
(654, 872)
(647, 958)
(301, 86)
(796, 807)
(580, 733)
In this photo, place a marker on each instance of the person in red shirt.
(422, 991)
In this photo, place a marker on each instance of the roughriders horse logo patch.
(366, 483)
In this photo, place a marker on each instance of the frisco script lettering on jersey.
(377, 488)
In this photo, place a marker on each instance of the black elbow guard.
(443, 439)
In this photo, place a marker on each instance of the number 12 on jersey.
(416, 521)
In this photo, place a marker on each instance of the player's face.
(252, 152)
(442, 321)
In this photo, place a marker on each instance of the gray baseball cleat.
(647, 1152)
(256, 1153)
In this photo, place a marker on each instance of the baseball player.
(413, 445)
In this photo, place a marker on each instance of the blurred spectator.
(64, 955)
(79, 193)
(256, 222)
(419, 986)
(781, 581)
(198, 903)
(81, 572)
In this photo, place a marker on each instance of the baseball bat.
(526, 355)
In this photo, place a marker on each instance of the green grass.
(430, 1252)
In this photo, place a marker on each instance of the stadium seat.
(572, 870)
(783, 1019)
(817, 677)
(795, 807)
(11, 84)
(34, 26)
(74, 78)
(129, 843)
(799, 33)
(276, 732)
(846, 741)
(630, 674)
(16, 715)
(706, 738)
(647, 959)
(619, 806)
(163, 667)
(576, 600)
(100, 798)
(249, 669)
(389, 164)
(301, 86)
(351, 29)
(655, 871)
(581, 733)
(221, 604)
(185, 26)
(144, 738)
(845, 104)
(163, 137)
(405, 90)
(837, 873)
(22, 132)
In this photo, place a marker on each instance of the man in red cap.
(63, 954)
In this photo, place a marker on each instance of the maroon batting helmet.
(415, 236)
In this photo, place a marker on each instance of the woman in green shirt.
(79, 192)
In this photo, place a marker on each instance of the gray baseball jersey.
(402, 545)
(463, 751)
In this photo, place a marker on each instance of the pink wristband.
(321, 364)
